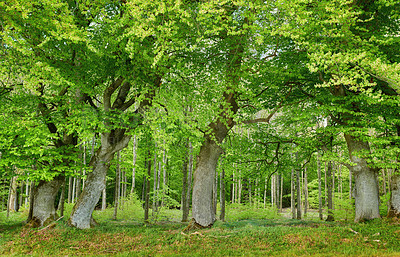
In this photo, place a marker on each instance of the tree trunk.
(222, 195)
(190, 175)
(104, 200)
(202, 202)
(292, 195)
(147, 191)
(70, 189)
(215, 193)
(185, 202)
(305, 191)
(117, 187)
(298, 192)
(81, 216)
(329, 182)
(62, 200)
(44, 195)
(134, 164)
(319, 189)
(394, 210)
(366, 191)
(12, 199)
(154, 206)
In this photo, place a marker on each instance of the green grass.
(276, 236)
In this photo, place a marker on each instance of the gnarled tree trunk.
(366, 190)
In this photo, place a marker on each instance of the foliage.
(237, 212)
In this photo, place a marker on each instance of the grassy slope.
(276, 237)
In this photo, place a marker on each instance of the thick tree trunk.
(366, 191)
(394, 210)
(104, 200)
(81, 216)
(60, 207)
(44, 196)
(204, 175)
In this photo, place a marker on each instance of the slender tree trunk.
(222, 195)
(190, 175)
(45, 193)
(62, 200)
(281, 197)
(104, 200)
(292, 195)
(134, 164)
(298, 189)
(366, 183)
(164, 185)
(215, 193)
(319, 189)
(265, 192)
(12, 202)
(329, 176)
(26, 192)
(185, 203)
(31, 200)
(117, 187)
(147, 192)
(250, 199)
(154, 206)
(239, 187)
(233, 185)
(70, 189)
(305, 191)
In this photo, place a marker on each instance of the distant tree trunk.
(147, 192)
(319, 188)
(329, 181)
(134, 164)
(265, 192)
(298, 191)
(21, 194)
(31, 200)
(117, 187)
(185, 202)
(384, 181)
(164, 169)
(389, 175)
(239, 188)
(305, 191)
(350, 185)
(190, 175)
(27, 192)
(292, 195)
(45, 194)
(154, 206)
(233, 185)
(62, 200)
(250, 199)
(12, 202)
(70, 189)
(222, 195)
(366, 183)
(281, 196)
(215, 194)
(104, 200)
(394, 210)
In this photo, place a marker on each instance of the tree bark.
(319, 189)
(147, 191)
(134, 164)
(305, 191)
(185, 202)
(81, 216)
(292, 195)
(366, 191)
(222, 195)
(202, 201)
(117, 187)
(12, 199)
(298, 192)
(394, 210)
(44, 194)
(329, 176)
(60, 207)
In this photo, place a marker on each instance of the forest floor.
(252, 237)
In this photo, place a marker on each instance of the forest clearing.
(200, 127)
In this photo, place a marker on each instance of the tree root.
(193, 225)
